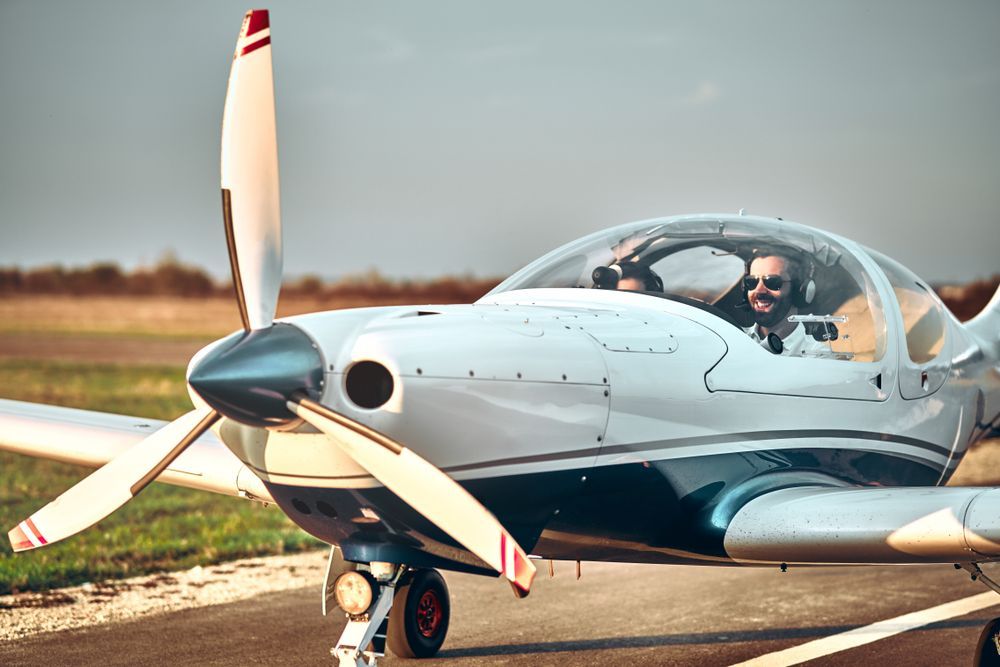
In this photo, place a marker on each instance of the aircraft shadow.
(652, 641)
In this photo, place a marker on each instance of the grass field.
(164, 528)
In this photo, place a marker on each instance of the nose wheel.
(387, 604)
(988, 647)
(420, 613)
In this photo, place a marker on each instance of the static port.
(369, 384)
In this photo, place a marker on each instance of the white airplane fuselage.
(603, 425)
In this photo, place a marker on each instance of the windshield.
(704, 262)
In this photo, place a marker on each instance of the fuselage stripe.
(718, 439)
(695, 446)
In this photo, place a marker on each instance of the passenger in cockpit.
(639, 279)
(627, 276)
(777, 286)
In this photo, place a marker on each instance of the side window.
(923, 318)
(847, 296)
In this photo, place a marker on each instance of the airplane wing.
(93, 439)
(823, 525)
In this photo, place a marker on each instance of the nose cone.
(250, 375)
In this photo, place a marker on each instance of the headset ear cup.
(606, 277)
(807, 292)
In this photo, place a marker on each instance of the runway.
(615, 614)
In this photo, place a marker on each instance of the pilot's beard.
(773, 317)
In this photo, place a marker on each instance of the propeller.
(270, 375)
(253, 233)
(112, 485)
(250, 199)
(427, 489)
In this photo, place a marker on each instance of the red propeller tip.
(19, 540)
(255, 21)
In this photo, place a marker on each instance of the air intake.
(369, 384)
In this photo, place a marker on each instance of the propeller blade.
(427, 489)
(250, 199)
(111, 486)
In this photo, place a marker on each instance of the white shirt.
(796, 344)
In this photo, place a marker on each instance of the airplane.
(619, 399)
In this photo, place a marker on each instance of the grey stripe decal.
(652, 446)
(837, 434)
(719, 439)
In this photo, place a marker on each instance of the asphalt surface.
(615, 614)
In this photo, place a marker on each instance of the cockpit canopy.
(701, 261)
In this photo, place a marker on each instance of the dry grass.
(131, 329)
(980, 467)
(164, 317)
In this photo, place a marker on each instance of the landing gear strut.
(386, 602)
(988, 646)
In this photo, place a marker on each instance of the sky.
(431, 138)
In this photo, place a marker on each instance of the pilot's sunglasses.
(771, 282)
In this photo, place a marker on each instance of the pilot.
(776, 288)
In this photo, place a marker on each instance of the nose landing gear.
(386, 602)
(420, 613)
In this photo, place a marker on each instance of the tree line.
(966, 301)
(170, 277)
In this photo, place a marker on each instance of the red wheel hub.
(429, 614)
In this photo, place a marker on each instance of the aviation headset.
(803, 283)
(607, 277)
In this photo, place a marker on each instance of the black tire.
(987, 649)
(418, 621)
